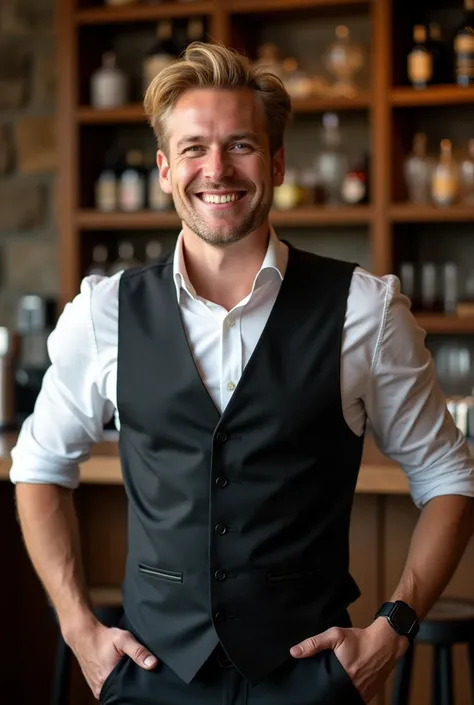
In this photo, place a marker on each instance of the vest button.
(220, 575)
(221, 436)
(222, 481)
(217, 616)
(220, 529)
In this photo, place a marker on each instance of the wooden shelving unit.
(382, 106)
(444, 324)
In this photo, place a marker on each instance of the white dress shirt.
(387, 376)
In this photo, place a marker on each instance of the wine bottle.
(132, 185)
(464, 46)
(442, 56)
(420, 59)
(445, 183)
(163, 53)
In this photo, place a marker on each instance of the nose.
(218, 165)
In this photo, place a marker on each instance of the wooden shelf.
(445, 324)
(90, 219)
(406, 97)
(133, 113)
(141, 13)
(245, 6)
(409, 213)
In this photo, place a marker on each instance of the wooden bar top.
(378, 474)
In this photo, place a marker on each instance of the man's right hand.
(98, 649)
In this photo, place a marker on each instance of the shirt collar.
(274, 264)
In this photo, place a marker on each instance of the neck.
(225, 275)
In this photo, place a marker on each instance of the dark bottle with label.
(464, 47)
(442, 55)
(420, 59)
(164, 52)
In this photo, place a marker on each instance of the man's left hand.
(367, 655)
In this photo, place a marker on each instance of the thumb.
(137, 652)
(329, 639)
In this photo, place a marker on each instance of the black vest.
(238, 523)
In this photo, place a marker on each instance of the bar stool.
(107, 605)
(450, 622)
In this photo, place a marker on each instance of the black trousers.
(320, 680)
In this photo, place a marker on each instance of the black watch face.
(403, 618)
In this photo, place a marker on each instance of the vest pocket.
(171, 575)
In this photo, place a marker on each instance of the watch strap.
(388, 610)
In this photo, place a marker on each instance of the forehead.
(215, 112)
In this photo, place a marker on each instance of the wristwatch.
(401, 617)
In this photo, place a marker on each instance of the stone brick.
(14, 72)
(44, 77)
(22, 205)
(22, 17)
(6, 150)
(31, 266)
(36, 144)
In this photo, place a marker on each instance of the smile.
(218, 198)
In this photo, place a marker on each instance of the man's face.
(219, 167)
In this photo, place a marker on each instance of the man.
(242, 372)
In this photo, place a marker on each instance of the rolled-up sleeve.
(407, 408)
(70, 411)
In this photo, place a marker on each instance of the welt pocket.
(277, 578)
(172, 576)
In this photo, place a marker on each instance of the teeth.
(214, 198)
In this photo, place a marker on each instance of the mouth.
(220, 199)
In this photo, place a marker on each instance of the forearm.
(50, 530)
(438, 543)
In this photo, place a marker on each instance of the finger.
(137, 652)
(329, 639)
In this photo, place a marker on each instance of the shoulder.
(371, 295)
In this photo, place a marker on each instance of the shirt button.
(222, 481)
(221, 436)
(220, 529)
(230, 386)
(220, 575)
(231, 322)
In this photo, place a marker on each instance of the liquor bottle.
(418, 171)
(445, 182)
(132, 184)
(194, 32)
(354, 187)
(420, 59)
(109, 84)
(466, 170)
(99, 261)
(163, 53)
(158, 200)
(332, 161)
(106, 185)
(126, 258)
(153, 250)
(464, 46)
(442, 56)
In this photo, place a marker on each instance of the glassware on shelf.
(355, 184)
(465, 305)
(296, 81)
(420, 59)
(464, 46)
(268, 59)
(126, 258)
(344, 59)
(332, 162)
(163, 53)
(418, 171)
(132, 184)
(99, 261)
(153, 250)
(290, 194)
(445, 181)
(466, 173)
(109, 84)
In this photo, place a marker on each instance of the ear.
(164, 168)
(278, 166)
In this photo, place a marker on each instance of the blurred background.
(380, 151)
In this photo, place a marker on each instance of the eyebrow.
(235, 136)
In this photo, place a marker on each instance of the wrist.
(384, 633)
(74, 625)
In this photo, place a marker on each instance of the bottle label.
(444, 188)
(464, 48)
(420, 66)
(353, 189)
(106, 195)
(132, 195)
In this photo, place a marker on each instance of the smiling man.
(241, 372)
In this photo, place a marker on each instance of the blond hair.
(215, 66)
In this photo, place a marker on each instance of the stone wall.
(27, 152)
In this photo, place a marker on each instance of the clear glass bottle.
(132, 185)
(420, 59)
(464, 46)
(296, 81)
(418, 171)
(163, 53)
(290, 194)
(344, 59)
(126, 258)
(268, 59)
(100, 256)
(332, 162)
(109, 84)
(466, 170)
(153, 250)
(445, 181)
(106, 186)
(355, 185)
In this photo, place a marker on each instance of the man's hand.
(367, 655)
(98, 649)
